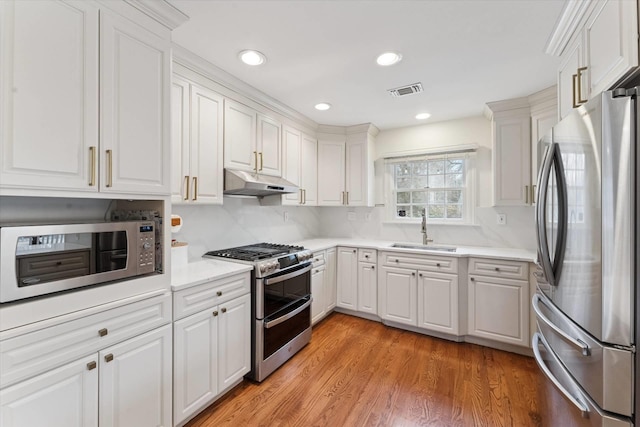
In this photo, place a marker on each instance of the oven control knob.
(264, 268)
(274, 265)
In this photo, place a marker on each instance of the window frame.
(468, 188)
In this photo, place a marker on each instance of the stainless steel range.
(280, 302)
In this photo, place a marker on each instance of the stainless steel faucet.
(425, 240)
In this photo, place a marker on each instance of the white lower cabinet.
(63, 397)
(499, 301)
(367, 288)
(330, 276)
(347, 278)
(212, 349)
(319, 293)
(398, 288)
(135, 381)
(128, 384)
(438, 302)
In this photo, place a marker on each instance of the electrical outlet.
(502, 219)
(285, 215)
(351, 216)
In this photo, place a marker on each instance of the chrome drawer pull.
(584, 348)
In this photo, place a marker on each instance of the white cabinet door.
(180, 140)
(331, 173)
(135, 67)
(330, 280)
(309, 170)
(135, 381)
(195, 355)
(240, 150)
(234, 347)
(367, 288)
(571, 60)
(292, 142)
(206, 146)
(611, 42)
(269, 146)
(397, 294)
(63, 397)
(499, 309)
(49, 94)
(356, 180)
(438, 302)
(318, 306)
(512, 160)
(541, 124)
(347, 278)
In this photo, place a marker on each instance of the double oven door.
(282, 323)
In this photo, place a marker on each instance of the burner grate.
(255, 252)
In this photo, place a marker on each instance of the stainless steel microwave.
(41, 259)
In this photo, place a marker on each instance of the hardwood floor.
(357, 372)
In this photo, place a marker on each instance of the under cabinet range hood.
(242, 183)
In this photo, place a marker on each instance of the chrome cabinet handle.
(581, 345)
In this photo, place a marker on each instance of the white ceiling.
(465, 53)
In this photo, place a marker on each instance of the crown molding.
(161, 11)
(199, 65)
(332, 130)
(507, 107)
(368, 128)
(544, 99)
(566, 25)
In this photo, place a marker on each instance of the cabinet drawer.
(420, 262)
(318, 258)
(367, 255)
(30, 354)
(207, 295)
(499, 268)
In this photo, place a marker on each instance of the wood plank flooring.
(356, 372)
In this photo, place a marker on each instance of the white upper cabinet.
(292, 147)
(331, 173)
(61, 129)
(49, 121)
(345, 167)
(599, 49)
(252, 141)
(511, 133)
(197, 121)
(309, 170)
(300, 166)
(134, 108)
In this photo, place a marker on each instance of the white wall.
(241, 221)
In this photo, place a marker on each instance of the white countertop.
(206, 270)
(461, 251)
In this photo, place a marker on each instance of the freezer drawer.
(605, 372)
(586, 412)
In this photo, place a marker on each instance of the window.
(437, 185)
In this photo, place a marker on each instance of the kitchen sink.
(424, 247)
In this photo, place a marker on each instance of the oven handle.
(287, 276)
(275, 322)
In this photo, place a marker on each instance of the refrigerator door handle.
(541, 206)
(584, 347)
(563, 215)
(537, 340)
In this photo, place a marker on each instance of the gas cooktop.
(255, 252)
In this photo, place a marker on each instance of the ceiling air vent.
(406, 90)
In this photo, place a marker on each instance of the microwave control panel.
(146, 248)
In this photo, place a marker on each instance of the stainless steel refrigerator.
(587, 230)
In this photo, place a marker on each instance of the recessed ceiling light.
(323, 106)
(423, 116)
(252, 57)
(388, 58)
